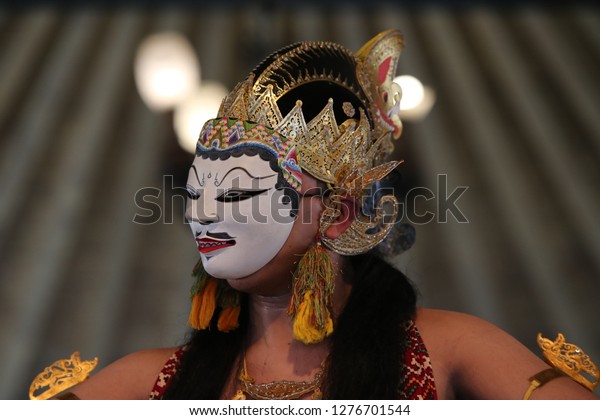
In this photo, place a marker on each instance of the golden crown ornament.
(344, 141)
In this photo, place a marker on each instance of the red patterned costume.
(417, 375)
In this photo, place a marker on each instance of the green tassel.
(228, 300)
(315, 275)
(201, 279)
(227, 295)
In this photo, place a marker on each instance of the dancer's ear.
(349, 208)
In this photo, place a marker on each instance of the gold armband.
(566, 360)
(61, 375)
(540, 379)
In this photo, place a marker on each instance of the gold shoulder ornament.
(571, 360)
(61, 375)
(566, 360)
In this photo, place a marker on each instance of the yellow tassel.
(203, 305)
(206, 294)
(228, 319)
(228, 299)
(194, 312)
(305, 328)
(311, 297)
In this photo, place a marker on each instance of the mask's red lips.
(206, 245)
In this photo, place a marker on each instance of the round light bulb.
(166, 70)
(413, 91)
(195, 110)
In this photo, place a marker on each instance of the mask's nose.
(202, 210)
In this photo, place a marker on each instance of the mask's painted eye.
(385, 96)
(232, 195)
(192, 194)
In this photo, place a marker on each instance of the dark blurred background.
(515, 120)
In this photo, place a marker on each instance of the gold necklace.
(277, 390)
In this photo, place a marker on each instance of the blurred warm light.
(417, 99)
(195, 110)
(166, 70)
(413, 91)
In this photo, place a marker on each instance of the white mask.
(237, 216)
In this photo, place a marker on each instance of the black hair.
(367, 346)
(367, 350)
(208, 360)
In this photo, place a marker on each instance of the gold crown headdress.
(341, 111)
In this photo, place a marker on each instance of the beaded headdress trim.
(228, 134)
